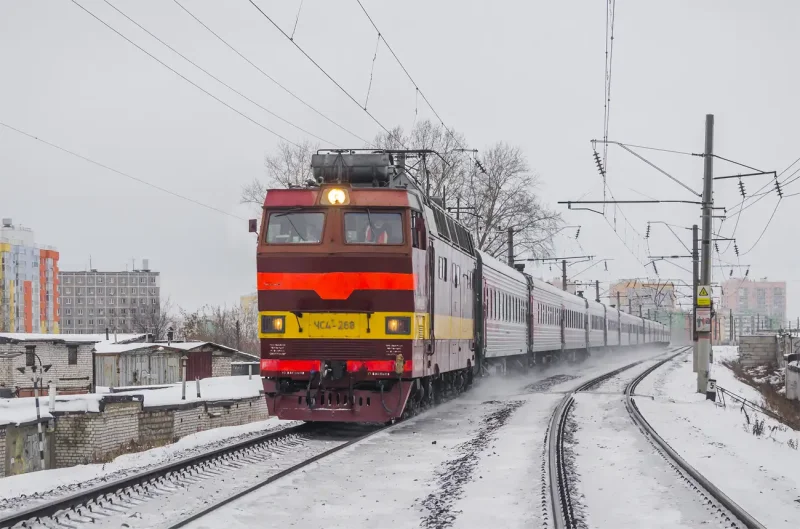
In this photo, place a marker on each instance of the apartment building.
(28, 282)
(756, 305)
(92, 301)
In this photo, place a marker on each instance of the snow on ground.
(63, 480)
(761, 474)
(475, 461)
(22, 410)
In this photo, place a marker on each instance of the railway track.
(555, 477)
(714, 499)
(187, 486)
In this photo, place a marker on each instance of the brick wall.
(156, 428)
(220, 366)
(68, 377)
(3, 451)
(122, 427)
(758, 350)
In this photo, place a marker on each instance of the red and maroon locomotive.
(347, 295)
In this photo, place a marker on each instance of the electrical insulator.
(741, 188)
(778, 188)
(606, 265)
(654, 268)
(746, 272)
(731, 274)
(578, 232)
(599, 163)
(480, 166)
(716, 246)
(647, 235)
(736, 249)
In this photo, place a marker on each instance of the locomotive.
(373, 301)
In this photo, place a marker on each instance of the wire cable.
(265, 74)
(185, 78)
(416, 86)
(121, 173)
(320, 68)
(764, 230)
(301, 129)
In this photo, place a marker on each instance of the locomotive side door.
(430, 340)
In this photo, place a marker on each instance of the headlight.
(336, 196)
(397, 325)
(273, 324)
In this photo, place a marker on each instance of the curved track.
(735, 515)
(557, 475)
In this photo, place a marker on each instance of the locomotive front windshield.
(372, 227)
(295, 227)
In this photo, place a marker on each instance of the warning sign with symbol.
(703, 296)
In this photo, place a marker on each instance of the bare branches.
(154, 319)
(289, 166)
(234, 327)
(504, 198)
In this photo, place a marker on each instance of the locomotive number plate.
(345, 326)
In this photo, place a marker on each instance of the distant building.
(756, 305)
(28, 282)
(642, 297)
(120, 301)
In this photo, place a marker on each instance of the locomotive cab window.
(373, 227)
(295, 227)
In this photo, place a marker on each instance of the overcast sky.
(527, 73)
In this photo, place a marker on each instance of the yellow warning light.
(336, 196)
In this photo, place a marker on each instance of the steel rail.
(82, 499)
(735, 509)
(273, 478)
(560, 499)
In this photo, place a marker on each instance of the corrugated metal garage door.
(199, 365)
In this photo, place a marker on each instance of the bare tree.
(155, 320)
(441, 175)
(234, 327)
(504, 197)
(289, 166)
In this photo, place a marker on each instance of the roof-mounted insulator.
(654, 268)
(731, 274)
(480, 166)
(746, 272)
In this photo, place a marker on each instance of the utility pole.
(703, 346)
(564, 274)
(511, 249)
(597, 291)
